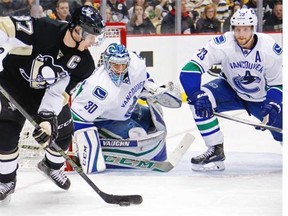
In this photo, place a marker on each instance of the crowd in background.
(154, 16)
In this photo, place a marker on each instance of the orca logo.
(243, 81)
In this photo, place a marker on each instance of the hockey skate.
(211, 160)
(57, 176)
(6, 189)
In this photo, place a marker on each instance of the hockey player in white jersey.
(106, 105)
(251, 79)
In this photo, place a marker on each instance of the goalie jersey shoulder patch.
(100, 93)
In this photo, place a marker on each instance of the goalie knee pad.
(89, 150)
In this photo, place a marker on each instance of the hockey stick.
(108, 198)
(247, 122)
(158, 166)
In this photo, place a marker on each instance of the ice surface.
(251, 185)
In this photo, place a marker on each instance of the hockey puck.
(124, 203)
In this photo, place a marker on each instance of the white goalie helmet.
(244, 17)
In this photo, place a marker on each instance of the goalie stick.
(158, 166)
(108, 198)
(247, 122)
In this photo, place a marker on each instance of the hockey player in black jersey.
(41, 61)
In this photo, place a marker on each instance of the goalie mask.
(91, 22)
(116, 62)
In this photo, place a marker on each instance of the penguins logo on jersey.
(242, 82)
(44, 72)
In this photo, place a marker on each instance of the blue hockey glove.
(202, 104)
(272, 109)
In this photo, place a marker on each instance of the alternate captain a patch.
(100, 93)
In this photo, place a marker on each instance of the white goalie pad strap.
(136, 132)
(89, 150)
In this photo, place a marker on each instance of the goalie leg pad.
(89, 150)
(156, 115)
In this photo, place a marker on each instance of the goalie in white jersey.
(105, 106)
(251, 79)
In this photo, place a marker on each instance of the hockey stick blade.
(108, 198)
(247, 122)
(158, 166)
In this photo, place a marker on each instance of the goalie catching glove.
(168, 95)
(48, 130)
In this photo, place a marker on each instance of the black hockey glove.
(48, 128)
(202, 104)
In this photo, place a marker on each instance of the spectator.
(74, 4)
(234, 8)
(137, 2)
(199, 5)
(208, 22)
(158, 8)
(168, 22)
(119, 11)
(108, 14)
(253, 4)
(190, 8)
(89, 3)
(62, 11)
(10, 8)
(140, 23)
(222, 9)
(274, 22)
(47, 4)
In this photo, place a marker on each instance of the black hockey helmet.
(88, 18)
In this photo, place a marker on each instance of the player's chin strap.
(77, 42)
(108, 198)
